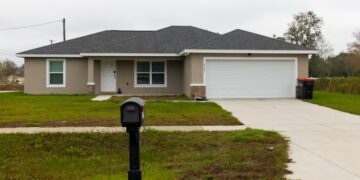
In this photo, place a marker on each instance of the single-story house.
(17, 78)
(173, 60)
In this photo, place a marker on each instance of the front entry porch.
(135, 76)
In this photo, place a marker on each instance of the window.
(150, 74)
(55, 73)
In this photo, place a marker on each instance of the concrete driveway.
(324, 143)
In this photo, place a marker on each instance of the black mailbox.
(132, 117)
(132, 112)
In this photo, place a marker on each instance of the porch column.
(90, 82)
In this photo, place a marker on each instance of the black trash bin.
(304, 88)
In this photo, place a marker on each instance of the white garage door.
(250, 78)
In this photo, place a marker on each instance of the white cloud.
(88, 16)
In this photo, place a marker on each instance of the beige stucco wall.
(35, 75)
(180, 74)
(97, 76)
(125, 78)
(193, 66)
(187, 75)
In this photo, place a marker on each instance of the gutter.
(234, 51)
(100, 55)
(185, 52)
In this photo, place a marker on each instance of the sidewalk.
(34, 130)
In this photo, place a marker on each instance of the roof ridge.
(157, 31)
(273, 39)
(208, 40)
(131, 30)
(167, 27)
(187, 26)
(205, 30)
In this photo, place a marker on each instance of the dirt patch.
(12, 124)
(11, 87)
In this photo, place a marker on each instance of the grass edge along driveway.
(343, 102)
(245, 154)
(19, 110)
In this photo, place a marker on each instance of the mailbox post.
(132, 117)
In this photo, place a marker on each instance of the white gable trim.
(100, 55)
(49, 55)
(130, 54)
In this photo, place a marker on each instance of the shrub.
(350, 85)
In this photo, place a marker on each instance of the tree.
(305, 30)
(354, 47)
(318, 67)
(325, 49)
(7, 68)
(353, 56)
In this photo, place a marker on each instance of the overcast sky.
(267, 17)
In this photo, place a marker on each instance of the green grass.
(349, 85)
(18, 109)
(164, 155)
(343, 102)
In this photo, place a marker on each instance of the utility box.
(132, 112)
(305, 88)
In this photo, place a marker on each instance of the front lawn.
(343, 102)
(18, 109)
(246, 154)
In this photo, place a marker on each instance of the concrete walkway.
(101, 98)
(34, 130)
(324, 143)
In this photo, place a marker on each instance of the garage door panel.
(250, 78)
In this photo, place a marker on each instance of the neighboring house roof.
(19, 74)
(173, 39)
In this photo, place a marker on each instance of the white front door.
(250, 78)
(108, 76)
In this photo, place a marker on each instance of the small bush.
(11, 86)
(350, 85)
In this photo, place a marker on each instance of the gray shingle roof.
(244, 40)
(85, 43)
(172, 39)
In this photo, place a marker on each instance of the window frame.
(150, 85)
(48, 85)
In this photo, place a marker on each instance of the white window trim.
(136, 85)
(48, 85)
